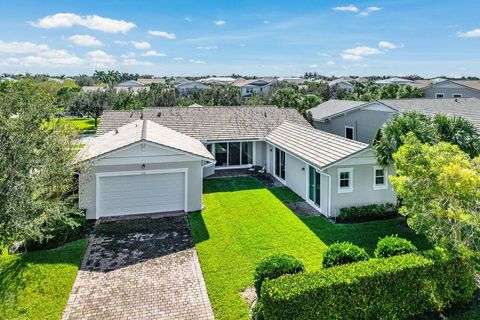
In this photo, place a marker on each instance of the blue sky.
(284, 38)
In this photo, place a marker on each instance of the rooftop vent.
(116, 131)
(159, 114)
(131, 114)
(141, 116)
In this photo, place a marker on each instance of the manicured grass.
(36, 285)
(244, 222)
(83, 124)
(285, 194)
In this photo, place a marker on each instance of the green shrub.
(257, 311)
(273, 267)
(398, 287)
(393, 246)
(368, 212)
(342, 253)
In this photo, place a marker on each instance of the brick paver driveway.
(140, 269)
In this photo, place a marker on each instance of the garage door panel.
(144, 193)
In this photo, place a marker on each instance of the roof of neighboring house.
(251, 82)
(314, 146)
(189, 83)
(468, 108)
(209, 123)
(338, 81)
(333, 107)
(472, 84)
(142, 130)
(130, 84)
(151, 81)
(92, 88)
(394, 80)
(218, 80)
(297, 81)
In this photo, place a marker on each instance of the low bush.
(257, 311)
(342, 253)
(398, 287)
(275, 266)
(393, 246)
(368, 213)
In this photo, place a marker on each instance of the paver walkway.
(140, 269)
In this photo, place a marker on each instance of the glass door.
(315, 182)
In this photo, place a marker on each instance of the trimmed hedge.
(399, 287)
(393, 246)
(275, 266)
(342, 253)
(368, 212)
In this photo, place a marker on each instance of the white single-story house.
(155, 159)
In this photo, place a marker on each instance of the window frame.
(438, 94)
(350, 180)
(457, 94)
(353, 132)
(383, 186)
(278, 166)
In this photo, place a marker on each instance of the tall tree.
(440, 190)
(36, 173)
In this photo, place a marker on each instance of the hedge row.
(368, 212)
(399, 287)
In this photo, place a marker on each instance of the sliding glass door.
(280, 163)
(315, 182)
(233, 153)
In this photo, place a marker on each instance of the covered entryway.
(152, 191)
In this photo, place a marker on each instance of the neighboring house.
(360, 120)
(8, 79)
(249, 87)
(190, 85)
(394, 81)
(294, 80)
(93, 88)
(218, 80)
(342, 84)
(148, 82)
(443, 88)
(154, 160)
(130, 84)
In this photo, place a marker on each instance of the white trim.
(437, 95)
(138, 172)
(350, 180)
(353, 132)
(385, 177)
(457, 94)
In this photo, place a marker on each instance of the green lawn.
(83, 124)
(36, 285)
(244, 222)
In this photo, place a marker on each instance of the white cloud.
(100, 59)
(135, 62)
(120, 42)
(350, 8)
(61, 57)
(163, 34)
(188, 19)
(469, 34)
(369, 10)
(129, 54)
(153, 53)
(196, 61)
(357, 53)
(94, 22)
(313, 66)
(178, 58)
(330, 63)
(323, 54)
(21, 47)
(85, 40)
(219, 22)
(388, 45)
(141, 44)
(207, 47)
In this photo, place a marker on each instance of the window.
(221, 154)
(349, 132)
(232, 153)
(315, 186)
(345, 180)
(439, 95)
(456, 95)
(280, 163)
(379, 178)
(247, 153)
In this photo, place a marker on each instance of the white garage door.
(141, 193)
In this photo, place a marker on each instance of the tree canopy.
(36, 173)
(371, 91)
(440, 190)
(426, 129)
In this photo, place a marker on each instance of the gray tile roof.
(142, 130)
(468, 108)
(208, 123)
(314, 146)
(333, 107)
